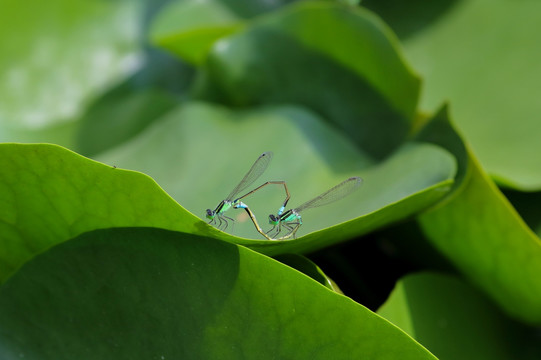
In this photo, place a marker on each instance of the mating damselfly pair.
(289, 220)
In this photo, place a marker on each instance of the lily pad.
(339, 61)
(479, 231)
(56, 56)
(491, 78)
(102, 294)
(455, 321)
(49, 194)
(309, 155)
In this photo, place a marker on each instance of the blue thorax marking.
(240, 205)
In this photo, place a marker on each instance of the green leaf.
(56, 56)
(49, 194)
(491, 79)
(307, 267)
(455, 321)
(308, 153)
(128, 108)
(482, 234)
(189, 28)
(339, 61)
(115, 119)
(154, 294)
(247, 9)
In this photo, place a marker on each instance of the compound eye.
(210, 213)
(273, 220)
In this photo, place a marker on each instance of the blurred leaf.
(56, 55)
(127, 109)
(102, 295)
(59, 133)
(251, 8)
(483, 56)
(481, 233)
(420, 14)
(189, 28)
(340, 61)
(205, 150)
(350, 2)
(115, 119)
(455, 321)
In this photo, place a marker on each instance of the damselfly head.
(210, 214)
(273, 220)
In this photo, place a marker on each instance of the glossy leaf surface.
(156, 294)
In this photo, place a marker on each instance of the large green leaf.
(49, 194)
(455, 321)
(56, 55)
(483, 56)
(154, 294)
(482, 234)
(340, 61)
(205, 150)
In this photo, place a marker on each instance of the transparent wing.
(255, 171)
(336, 193)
